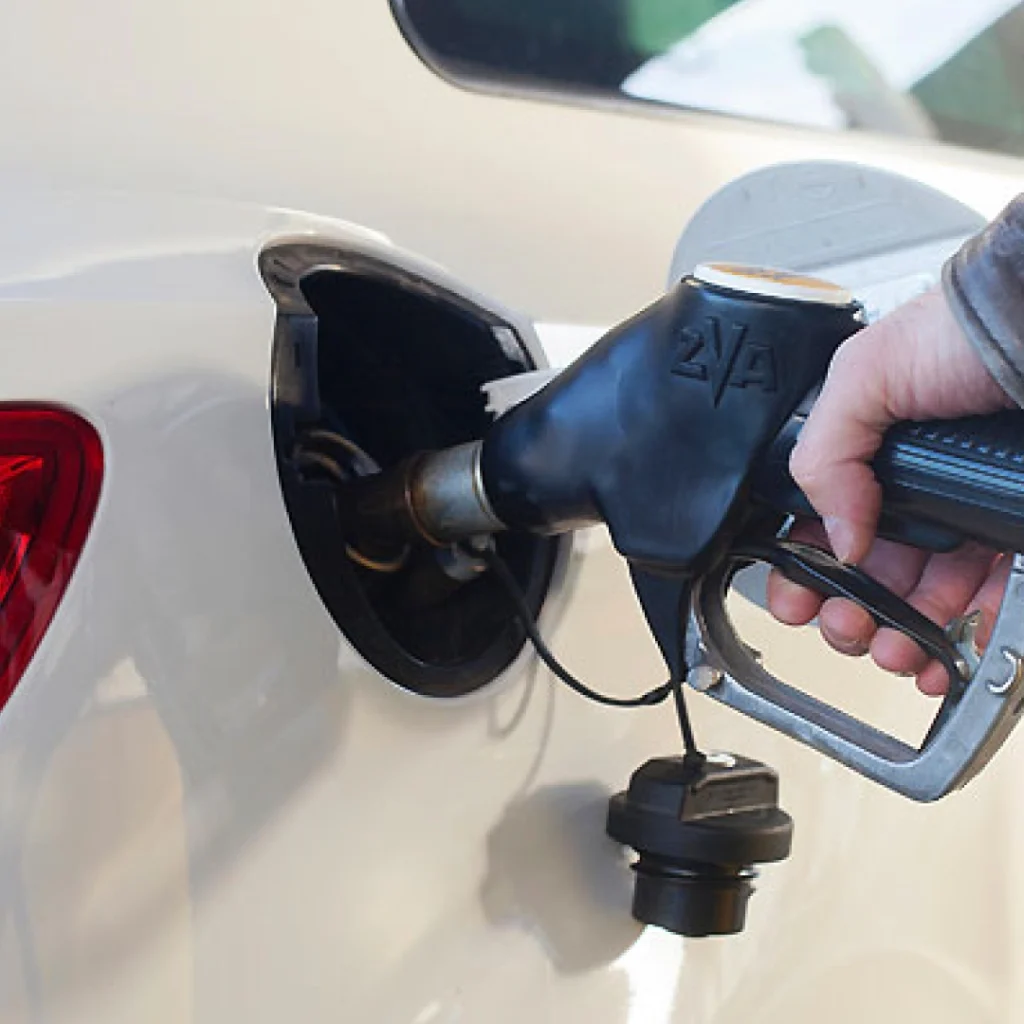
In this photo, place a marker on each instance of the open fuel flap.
(374, 362)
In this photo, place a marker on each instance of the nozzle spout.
(433, 497)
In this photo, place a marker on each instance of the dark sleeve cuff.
(984, 285)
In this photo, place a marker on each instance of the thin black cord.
(693, 753)
(685, 727)
(511, 587)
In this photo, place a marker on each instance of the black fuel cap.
(699, 826)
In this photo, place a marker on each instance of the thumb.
(831, 461)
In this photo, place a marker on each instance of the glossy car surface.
(211, 808)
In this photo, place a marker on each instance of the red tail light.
(51, 467)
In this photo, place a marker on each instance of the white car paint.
(210, 808)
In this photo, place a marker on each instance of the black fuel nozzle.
(654, 431)
(677, 424)
(699, 825)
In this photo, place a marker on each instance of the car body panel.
(323, 106)
(210, 808)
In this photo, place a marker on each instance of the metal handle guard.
(964, 737)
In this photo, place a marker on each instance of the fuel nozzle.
(699, 825)
(655, 431)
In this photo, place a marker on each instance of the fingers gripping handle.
(819, 571)
(967, 732)
(942, 481)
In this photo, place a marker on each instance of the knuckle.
(809, 466)
(846, 355)
(851, 359)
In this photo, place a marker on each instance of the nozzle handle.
(943, 481)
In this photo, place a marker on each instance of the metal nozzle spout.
(446, 496)
(433, 497)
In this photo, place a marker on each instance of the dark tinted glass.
(944, 69)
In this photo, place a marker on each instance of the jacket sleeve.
(984, 284)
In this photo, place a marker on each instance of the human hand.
(914, 364)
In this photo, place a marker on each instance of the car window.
(944, 69)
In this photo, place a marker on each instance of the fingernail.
(853, 648)
(841, 536)
(850, 645)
